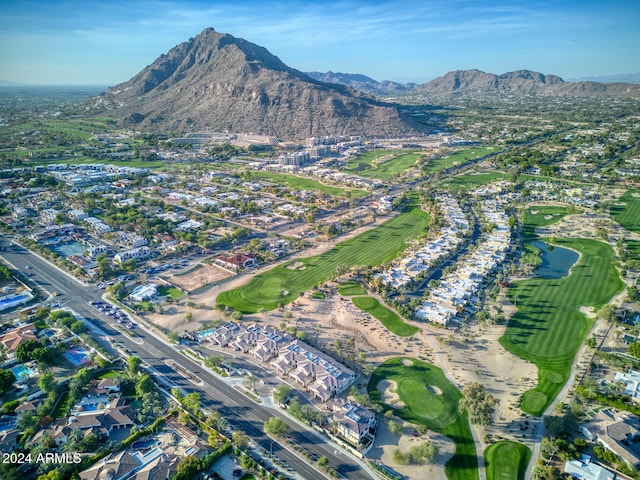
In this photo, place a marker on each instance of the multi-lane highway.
(241, 412)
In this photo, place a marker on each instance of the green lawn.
(172, 292)
(506, 461)
(541, 216)
(389, 319)
(283, 284)
(436, 408)
(302, 183)
(351, 287)
(473, 180)
(63, 405)
(548, 327)
(633, 247)
(436, 164)
(626, 211)
(368, 165)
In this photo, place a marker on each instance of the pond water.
(556, 261)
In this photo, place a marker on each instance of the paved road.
(241, 412)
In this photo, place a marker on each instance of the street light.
(271, 449)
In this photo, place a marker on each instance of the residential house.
(236, 262)
(617, 432)
(9, 440)
(353, 422)
(134, 253)
(116, 466)
(116, 416)
(584, 469)
(631, 379)
(13, 338)
(144, 292)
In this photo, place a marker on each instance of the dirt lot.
(199, 276)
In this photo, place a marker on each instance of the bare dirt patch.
(387, 443)
(199, 277)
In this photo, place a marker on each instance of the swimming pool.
(206, 333)
(22, 372)
(145, 444)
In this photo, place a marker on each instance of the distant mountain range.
(476, 82)
(218, 82)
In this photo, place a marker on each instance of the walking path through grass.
(285, 282)
(548, 327)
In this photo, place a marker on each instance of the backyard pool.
(22, 372)
(145, 444)
(205, 333)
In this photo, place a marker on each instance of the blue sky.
(108, 41)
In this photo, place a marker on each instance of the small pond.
(556, 261)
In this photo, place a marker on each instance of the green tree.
(133, 365)
(396, 428)
(479, 404)
(239, 439)
(634, 349)
(47, 382)
(7, 379)
(191, 401)
(607, 312)
(280, 393)
(323, 461)
(275, 426)
(24, 352)
(214, 361)
(144, 385)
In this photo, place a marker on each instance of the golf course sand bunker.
(296, 266)
(408, 363)
(433, 390)
(588, 311)
(388, 395)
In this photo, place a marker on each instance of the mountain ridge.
(477, 82)
(217, 81)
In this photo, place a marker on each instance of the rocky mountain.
(476, 82)
(218, 82)
(362, 83)
(521, 82)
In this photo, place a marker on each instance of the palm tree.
(252, 380)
